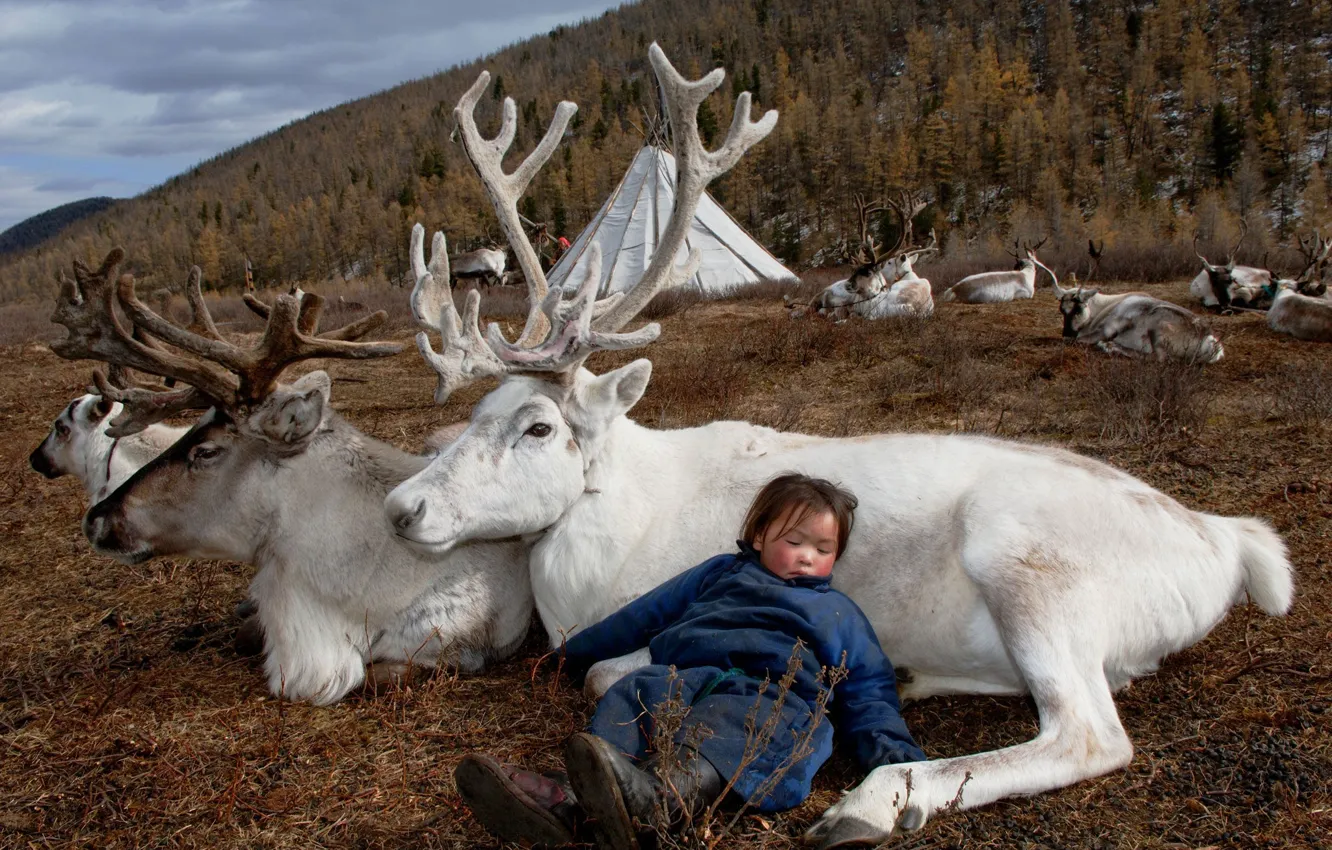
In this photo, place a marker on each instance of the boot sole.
(503, 808)
(598, 792)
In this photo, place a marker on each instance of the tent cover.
(633, 219)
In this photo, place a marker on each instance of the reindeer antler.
(504, 190)
(1315, 252)
(216, 372)
(559, 335)
(697, 167)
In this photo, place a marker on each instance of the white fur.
(1302, 316)
(335, 590)
(871, 296)
(85, 451)
(993, 287)
(1247, 285)
(985, 566)
(484, 263)
(1137, 323)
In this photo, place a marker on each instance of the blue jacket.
(730, 612)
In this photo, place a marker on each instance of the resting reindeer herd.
(973, 557)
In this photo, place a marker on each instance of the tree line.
(1138, 123)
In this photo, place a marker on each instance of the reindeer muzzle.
(104, 526)
(41, 463)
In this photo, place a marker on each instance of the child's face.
(808, 548)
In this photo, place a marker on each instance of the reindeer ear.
(292, 413)
(101, 407)
(614, 393)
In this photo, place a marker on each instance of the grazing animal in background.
(994, 287)
(78, 445)
(1135, 323)
(986, 566)
(272, 476)
(485, 265)
(1226, 285)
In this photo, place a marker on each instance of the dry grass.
(126, 720)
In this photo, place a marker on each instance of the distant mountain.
(33, 231)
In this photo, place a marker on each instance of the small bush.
(1148, 401)
(1302, 394)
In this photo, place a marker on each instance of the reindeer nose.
(410, 517)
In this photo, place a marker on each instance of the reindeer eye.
(62, 429)
(541, 429)
(204, 452)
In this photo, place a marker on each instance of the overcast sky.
(112, 97)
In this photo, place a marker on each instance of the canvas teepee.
(631, 222)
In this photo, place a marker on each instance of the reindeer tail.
(1267, 570)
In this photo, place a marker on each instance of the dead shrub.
(705, 387)
(670, 303)
(675, 741)
(1148, 401)
(1302, 393)
(783, 341)
(20, 323)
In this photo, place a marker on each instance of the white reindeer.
(1301, 307)
(1226, 285)
(484, 264)
(885, 284)
(272, 476)
(78, 445)
(986, 566)
(908, 296)
(994, 287)
(1135, 323)
(1306, 317)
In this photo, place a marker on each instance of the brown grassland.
(126, 719)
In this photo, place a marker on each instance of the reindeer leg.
(1081, 735)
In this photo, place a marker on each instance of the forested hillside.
(37, 229)
(1135, 122)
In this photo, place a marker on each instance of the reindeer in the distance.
(995, 287)
(987, 566)
(1300, 307)
(1227, 285)
(885, 284)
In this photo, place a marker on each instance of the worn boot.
(518, 805)
(625, 802)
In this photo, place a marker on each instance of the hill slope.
(35, 230)
(1136, 123)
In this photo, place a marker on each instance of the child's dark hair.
(808, 496)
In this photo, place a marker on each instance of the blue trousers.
(726, 711)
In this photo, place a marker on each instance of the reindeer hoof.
(250, 637)
(246, 608)
(845, 832)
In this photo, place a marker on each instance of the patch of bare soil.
(126, 720)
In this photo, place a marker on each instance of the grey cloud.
(69, 184)
(158, 83)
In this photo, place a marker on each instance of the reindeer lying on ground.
(1135, 323)
(994, 287)
(78, 445)
(986, 566)
(885, 284)
(908, 296)
(272, 476)
(485, 265)
(1226, 285)
(1300, 307)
